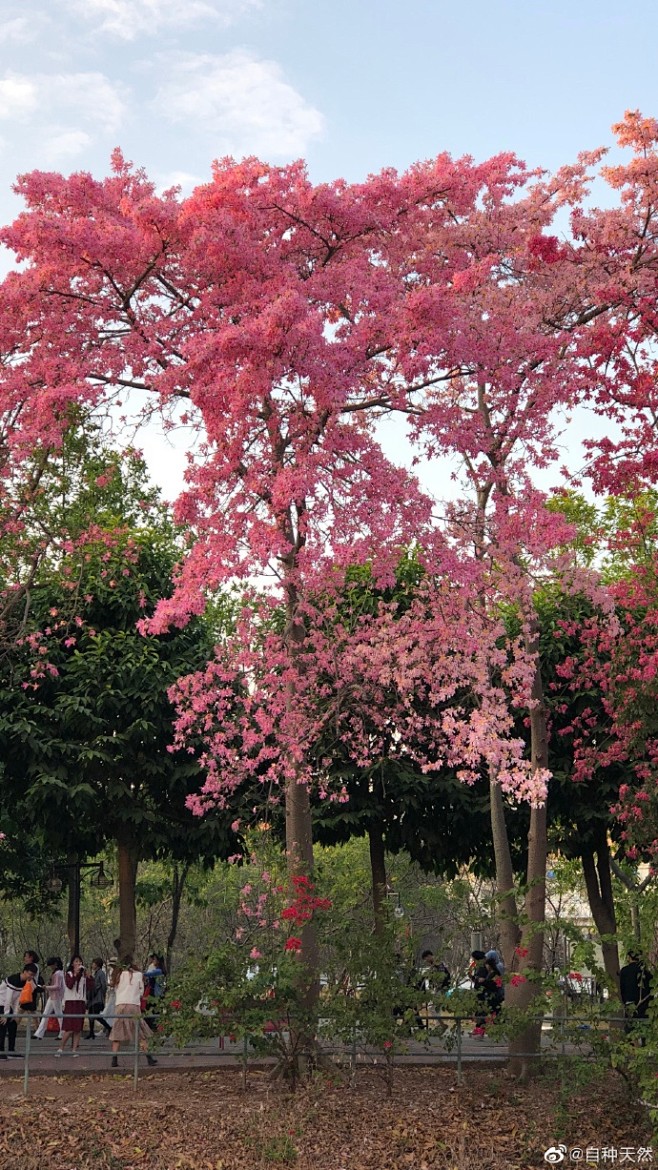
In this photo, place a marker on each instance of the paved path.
(95, 1055)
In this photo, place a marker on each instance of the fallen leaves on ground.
(208, 1121)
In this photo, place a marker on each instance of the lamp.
(53, 884)
(100, 879)
(398, 909)
(75, 870)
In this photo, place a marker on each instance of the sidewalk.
(95, 1056)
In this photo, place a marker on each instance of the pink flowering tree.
(261, 311)
(256, 311)
(619, 261)
(276, 319)
(616, 262)
(623, 667)
(487, 394)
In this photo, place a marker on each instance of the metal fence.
(447, 1039)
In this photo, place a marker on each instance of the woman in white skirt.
(128, 983)
(55, 1002)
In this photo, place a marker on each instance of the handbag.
(52, 1025)
(26, 997)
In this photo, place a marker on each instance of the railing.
(28, 1017)
(440, 1043)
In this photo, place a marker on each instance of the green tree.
(85, 718)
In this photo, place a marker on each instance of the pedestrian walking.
(12, 990)
(128, 983)
(55, 1003)
(97, 989)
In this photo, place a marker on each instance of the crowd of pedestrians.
(123, 1000)
(119, 999)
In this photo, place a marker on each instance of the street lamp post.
(74, 869)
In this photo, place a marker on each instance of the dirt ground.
(207, 1121)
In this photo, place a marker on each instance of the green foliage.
(630, 525)
(584, 516)
(439, 821)
(85, 718)
(370, 995)
(255, 987)
(280, 1150)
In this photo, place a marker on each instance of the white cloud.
(128, 19)
(19, 31)
(245, 103)
(65, 144)
(65, 112)
(183, 179)
(19, 97)
(90, 96)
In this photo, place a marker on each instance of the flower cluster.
(272, 914)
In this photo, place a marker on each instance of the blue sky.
(351, 85)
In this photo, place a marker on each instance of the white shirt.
(9, 997)
(130, 988)
(78, 992)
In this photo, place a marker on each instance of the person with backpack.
(17, 993)
(154, 977)
(31, 957)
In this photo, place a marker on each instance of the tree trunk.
(636, 889)
(378, 872)
(506, 896)
(127, 857)
(177, 886)
(300, 862)
(598, 881)
(524, 1049)
(299, 847)
(635, 922)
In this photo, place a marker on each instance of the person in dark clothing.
(479, 973)
(96, 992)
(441, 977)
(154, 988)
(493, 992)
(635, 989)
